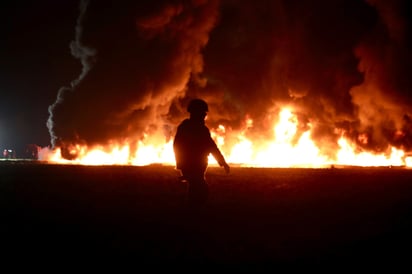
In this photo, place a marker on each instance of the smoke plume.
(342, 65)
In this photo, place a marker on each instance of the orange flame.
(283, 150)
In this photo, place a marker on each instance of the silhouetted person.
(192, 146)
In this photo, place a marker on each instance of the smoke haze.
(342, 65)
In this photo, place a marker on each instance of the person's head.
(198, 109)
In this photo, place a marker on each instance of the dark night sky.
(341, 64)
(35, 62)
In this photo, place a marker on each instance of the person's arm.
(219, 157)
(226, 167)
(177, 148)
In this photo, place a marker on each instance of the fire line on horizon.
(283, 150)
(301, 84)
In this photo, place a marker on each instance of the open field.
(254, 216)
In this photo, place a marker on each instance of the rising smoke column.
(383, 100)
(340, 65)
(299, 53)
(320, 57)
(138, 57)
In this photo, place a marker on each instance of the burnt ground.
(343, 218)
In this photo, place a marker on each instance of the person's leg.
(198, 189)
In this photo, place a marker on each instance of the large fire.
(283, 150)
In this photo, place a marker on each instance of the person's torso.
(194, 142)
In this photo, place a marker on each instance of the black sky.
(35, 62)
(341, 64)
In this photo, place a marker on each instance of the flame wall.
(342, 66)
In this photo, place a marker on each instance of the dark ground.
(342, 218)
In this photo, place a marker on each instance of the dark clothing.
(192, 146)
